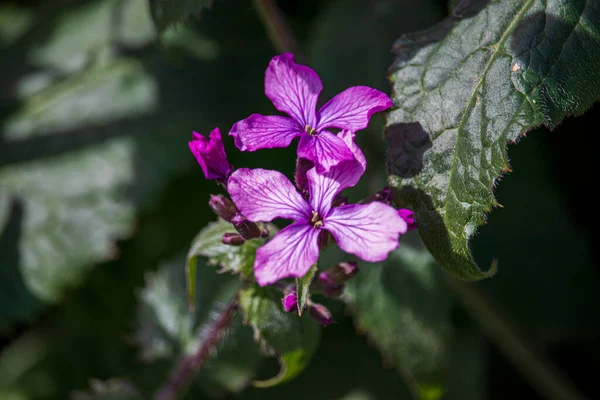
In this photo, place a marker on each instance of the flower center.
(315, 221)
(311, 131)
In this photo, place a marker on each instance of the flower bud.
(289, 301)
(223, 207)
(233, 239)
(320, 313)
(339, 274)
(409, 217)
(248, 229)
(210, 154)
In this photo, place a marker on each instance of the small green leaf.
(166, 12)
(404, 307)
(235, 259)
(465, 88)
(303, 288)
(292, 338)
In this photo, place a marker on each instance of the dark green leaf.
(404, 307)
(235, 259)
(466, 87)
(292, 338)
(166, 12)
(168, 329)
(303, 288)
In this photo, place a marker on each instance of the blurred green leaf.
(466, 87)
(113, 389)
(292, 338)
(166, 12)
(404, 307)
(167, 329)
(303, 288)
(235, 259)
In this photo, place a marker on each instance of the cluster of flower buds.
(318, 312)
(327, 164)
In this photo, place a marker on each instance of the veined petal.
(348, 138)
(323, 188)
(352, 109)
(262, 132)
(210, 154)
(263, 195)
(293, 88)
(369, 231)
(325, 150)
(290, 253)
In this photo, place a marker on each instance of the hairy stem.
(279, 32)
(540, 373)
(189, 365)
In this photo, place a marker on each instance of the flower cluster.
(327, 164)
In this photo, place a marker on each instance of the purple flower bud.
(339, 274)
(302, 167)
(289, 301)
(409, 217)
(320, 313)
(223, 207)
(248, 229)
(233, 239)
(210, 154)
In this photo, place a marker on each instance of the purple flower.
(290, 301)
(409, 217)
(369, 231)
(294, 90)
(211, 156)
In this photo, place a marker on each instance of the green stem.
(279, 32)
(540, 373)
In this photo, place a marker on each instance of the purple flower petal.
(210, 154)
(369, 231)
(325, 150)
(409, 217)
(323, 188)
(263, 195)
(290, 253)
(261, 132)
(293, 88)
(352, 109)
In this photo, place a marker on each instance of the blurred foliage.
(99, 199)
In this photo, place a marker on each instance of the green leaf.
(466, 87)
(292, 338)
(166, 12)
(167, 329)
(112, 389)
(80, 153)
(404, 307)
(303, 288)
(235, 259)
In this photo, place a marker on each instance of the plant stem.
(189, 365)
(540, 373)
(279, 32)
